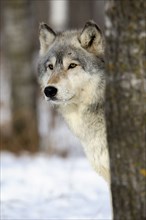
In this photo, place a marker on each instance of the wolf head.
(71, 65)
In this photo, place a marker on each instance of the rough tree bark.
(18, 21)
(126, 49)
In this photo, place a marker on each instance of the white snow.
(41, 188)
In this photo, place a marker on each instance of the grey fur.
(80, 98)
(79, 54)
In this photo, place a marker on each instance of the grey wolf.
(72, 76)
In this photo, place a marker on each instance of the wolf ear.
(46, 36)
(91, 38)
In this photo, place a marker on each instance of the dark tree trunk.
(80, 11)
(19, 47)
(126, 49)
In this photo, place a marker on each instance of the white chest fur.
(91, 130)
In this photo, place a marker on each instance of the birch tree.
(126, 50)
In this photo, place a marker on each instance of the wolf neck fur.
(88, 124)
(91, 116)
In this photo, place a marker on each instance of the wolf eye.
(50, 66)
(72, 65)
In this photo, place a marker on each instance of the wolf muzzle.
(50, 91)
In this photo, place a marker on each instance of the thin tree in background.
(80, 12)
(19, 49)
(126, 48)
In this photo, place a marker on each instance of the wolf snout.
(50, 91)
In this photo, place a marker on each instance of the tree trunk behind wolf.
(126, 45)
(80, 12)
(19, 51)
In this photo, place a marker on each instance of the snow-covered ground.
(42, 188)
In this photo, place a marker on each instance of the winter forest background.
(44, 173)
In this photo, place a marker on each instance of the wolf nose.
(50, 91)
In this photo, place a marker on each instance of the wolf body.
(72, 77)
